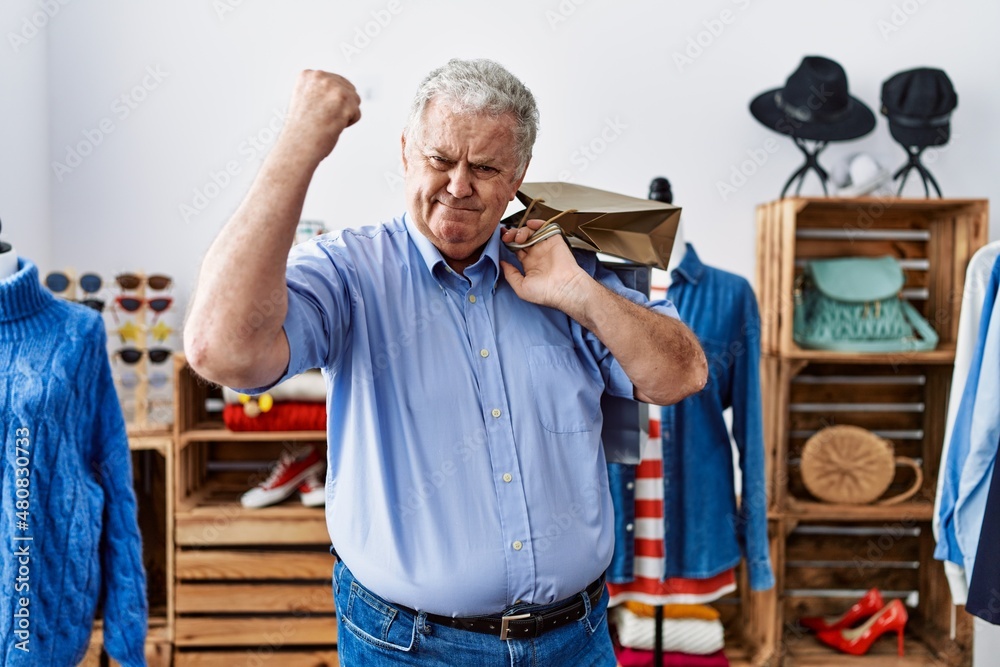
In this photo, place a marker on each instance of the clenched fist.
(322, 106)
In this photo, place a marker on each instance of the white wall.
(222, 76)
(228, 72)
(24, 132)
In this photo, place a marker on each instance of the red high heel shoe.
(891, 617)
(862, 609)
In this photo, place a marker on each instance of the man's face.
(460, 174)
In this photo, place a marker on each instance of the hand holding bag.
(853, 304)
(639, 230)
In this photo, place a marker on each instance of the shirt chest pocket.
(566, 397)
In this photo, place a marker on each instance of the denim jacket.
(705, 532)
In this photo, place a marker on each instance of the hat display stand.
(811, 164)
(813, 108)
(914, 164)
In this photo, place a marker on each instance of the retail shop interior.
(279, 397)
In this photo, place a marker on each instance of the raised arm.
(660, 355)
(233, 334)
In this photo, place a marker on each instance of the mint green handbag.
(853, 304)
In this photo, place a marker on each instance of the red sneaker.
(292, 468)
(312, 491)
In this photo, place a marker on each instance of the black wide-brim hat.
(814, 104)
(918, 104)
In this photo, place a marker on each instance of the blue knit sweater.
(69, 537)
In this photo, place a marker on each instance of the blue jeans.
(372, 632)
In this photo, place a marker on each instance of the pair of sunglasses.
(96, 304)
(133, 280)
(130, 379)
(132, 304)
(130, 331)
(58, 282)
(132, 355)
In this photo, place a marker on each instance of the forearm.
(239, 305)
(660, 355)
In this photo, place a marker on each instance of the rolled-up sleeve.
(319, 310)
(617, 382)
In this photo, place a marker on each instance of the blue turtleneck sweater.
(69, 537)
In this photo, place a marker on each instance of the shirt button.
(472, 298)
(629, 527)
(517, 545)
(507, 477)
(484, 353)
(496, 412)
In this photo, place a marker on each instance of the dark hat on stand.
(814, 104)
(660, 190)
(918, 104)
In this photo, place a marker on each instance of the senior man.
(467, 494)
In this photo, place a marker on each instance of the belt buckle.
(504, 620)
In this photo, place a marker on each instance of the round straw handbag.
(848, 464)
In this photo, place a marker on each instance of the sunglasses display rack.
(143, 376)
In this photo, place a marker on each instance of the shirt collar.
(690, 268)
(433, 258)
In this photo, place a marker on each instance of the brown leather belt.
(526, 626)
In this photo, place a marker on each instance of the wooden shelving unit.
(828, 555)
(250, 584)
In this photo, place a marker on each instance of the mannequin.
(82, 498)
(660, 190)
(704, 531)
(8, 259)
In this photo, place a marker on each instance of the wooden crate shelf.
(944, 354)
(263, 657)
(152, 474)
(904, 404)
(828, 566)
(161, 443)
(933, 238)
(158, 649)
(829, 555)
(225, 435)
(256, 631)
(805, 651)
(915, 511)
(245, 597)
(251, 585)
(194, 565)
(213, 516)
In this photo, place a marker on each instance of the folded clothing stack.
(297, 404)
(693, 635)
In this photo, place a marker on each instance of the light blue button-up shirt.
(465, 463)
(975, 437)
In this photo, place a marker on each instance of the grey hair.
(480, 87)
